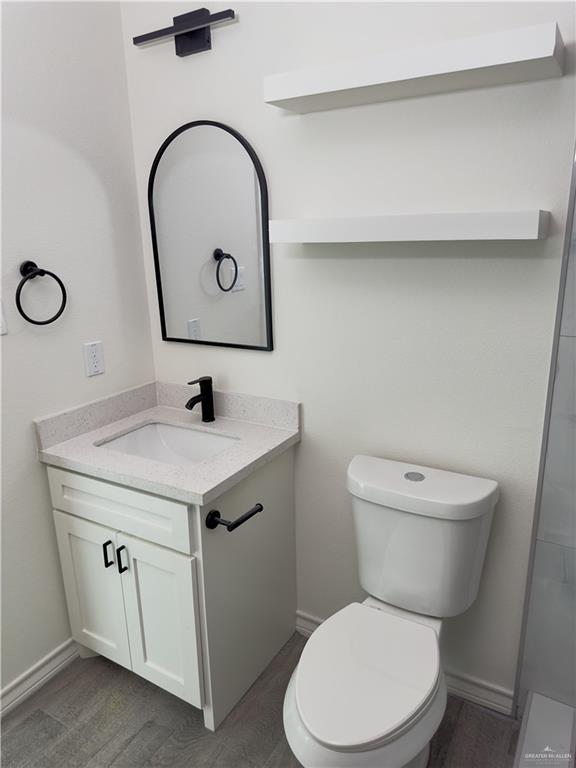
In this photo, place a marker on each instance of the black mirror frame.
(267, 282)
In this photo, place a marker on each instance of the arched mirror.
(208, 205)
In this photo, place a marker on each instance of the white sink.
(170, 444)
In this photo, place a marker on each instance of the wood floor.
(95, 714)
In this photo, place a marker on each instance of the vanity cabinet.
(160, 602)
(199, 612)
(133, 602)
(93, 592)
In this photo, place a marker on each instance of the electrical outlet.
(240, 284)
(94, 358)
(193, 328)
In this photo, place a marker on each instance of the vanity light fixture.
(191, 31)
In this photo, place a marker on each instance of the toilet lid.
(363, 675)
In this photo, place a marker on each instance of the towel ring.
(29, 270)
(221, 257)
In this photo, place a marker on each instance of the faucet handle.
(201, 379)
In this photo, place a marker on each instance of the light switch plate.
(94, 358)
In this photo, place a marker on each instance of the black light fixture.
(191, 31)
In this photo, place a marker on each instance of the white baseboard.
(306, 623)
(39, 674)
(480, 691)
(464, 686)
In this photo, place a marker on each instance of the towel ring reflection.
(29, 270)
(221, 257)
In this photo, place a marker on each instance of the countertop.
(193, 482)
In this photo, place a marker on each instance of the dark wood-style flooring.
(95, 714)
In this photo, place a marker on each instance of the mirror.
(208, 204)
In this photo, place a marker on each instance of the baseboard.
(39, 674)
(306, 623)
(480, 692)
(464, 686)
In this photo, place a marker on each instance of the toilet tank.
(421, 533)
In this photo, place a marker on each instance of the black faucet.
(206, 398)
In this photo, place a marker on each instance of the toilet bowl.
(369, 691)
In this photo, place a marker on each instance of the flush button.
(416, 477)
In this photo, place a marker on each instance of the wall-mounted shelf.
(495, 225)
(512, 56)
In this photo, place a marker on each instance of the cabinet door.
(162, 617)
(93, 591)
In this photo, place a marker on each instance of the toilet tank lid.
(421, 490)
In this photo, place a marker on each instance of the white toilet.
(369, 689)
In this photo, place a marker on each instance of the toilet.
(369, 691)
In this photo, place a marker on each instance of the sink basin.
(170, 444)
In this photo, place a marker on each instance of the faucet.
(206, 398)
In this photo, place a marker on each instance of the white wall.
(437, 354)
(69, 204)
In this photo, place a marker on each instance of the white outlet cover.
(3, 326)
(193, 327)
(93, 358)
(240, 284)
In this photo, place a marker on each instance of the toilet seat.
(365, 677)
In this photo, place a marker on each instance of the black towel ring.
(221, 257)
(29, 270)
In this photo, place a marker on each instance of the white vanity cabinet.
(160, 603)
(93, 592)
(199, 612)
(134, 602)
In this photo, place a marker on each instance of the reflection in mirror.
(208, 205)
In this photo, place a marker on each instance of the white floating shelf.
(512, 56)
(496, 225)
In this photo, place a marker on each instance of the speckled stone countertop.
(254, 421)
